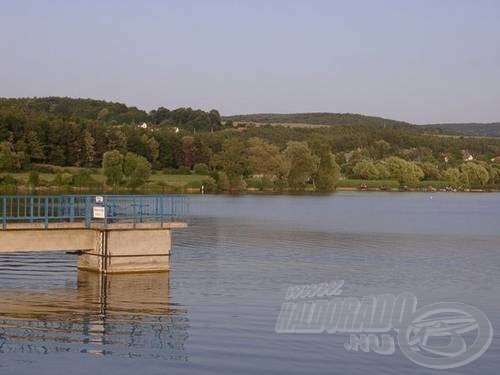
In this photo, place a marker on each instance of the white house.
(467, 156)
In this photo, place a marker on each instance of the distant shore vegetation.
(65, 144)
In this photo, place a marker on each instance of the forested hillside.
(315, 119)
(37, 133)
(473, 129)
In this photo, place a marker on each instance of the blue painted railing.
(92, 208)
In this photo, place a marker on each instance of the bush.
(201, 168)
(237, 184)
(209, 185)
(261, 183)
(84, 179)
(34, 179)
(169, 171)
(254, 183)
(183, 170)
(8, 179)
(194, 184)
(46, 168)
(61, 180)
(164, 187)
(223, 182)
(215, 176)
(8, 184)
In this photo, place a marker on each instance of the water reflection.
(125, 315)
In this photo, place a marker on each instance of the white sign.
(99, 212)
(99, 199)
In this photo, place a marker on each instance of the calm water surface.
(216, 311)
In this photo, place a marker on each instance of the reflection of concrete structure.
(103, 314)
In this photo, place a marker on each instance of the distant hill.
(318, 118)
(75, 109)
(472, 129)
(347, 119)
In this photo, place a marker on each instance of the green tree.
(383, 171)
(494, 172)
(10, 159)
(233, 162)
(137, 168)
(215, 121)
(112, 165)
(71, 136)
(474, 175)
(232, 159)
(116, 140)
(153, 149)
(328, 171)
(35, 147)
(352, 158)
(366, 169)
(201, 151)
(380, 149)
(171, 153)
(223, 183)
(407, 173)
(264, 158)
(187, 149)
(453, 176)
(87, 149)
(302, 164)
(431, 171)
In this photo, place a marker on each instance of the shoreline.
(249, 191)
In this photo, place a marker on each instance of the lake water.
(216, 310)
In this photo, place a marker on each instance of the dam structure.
(110, 233)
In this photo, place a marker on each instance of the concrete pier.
(111, 233)
(115, 248)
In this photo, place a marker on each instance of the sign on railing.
(99, 212)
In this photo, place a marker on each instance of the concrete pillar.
(128, 250)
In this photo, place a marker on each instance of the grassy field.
(167, 179)
(371, 184)
(178, 180)
(49, 177)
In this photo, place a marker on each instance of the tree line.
(93, 134)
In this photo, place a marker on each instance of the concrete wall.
(47, 240)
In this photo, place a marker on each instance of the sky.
(421, 61)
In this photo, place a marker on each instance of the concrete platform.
(113, 248)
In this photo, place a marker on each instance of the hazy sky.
(418, 61)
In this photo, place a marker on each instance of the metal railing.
(92, 208)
